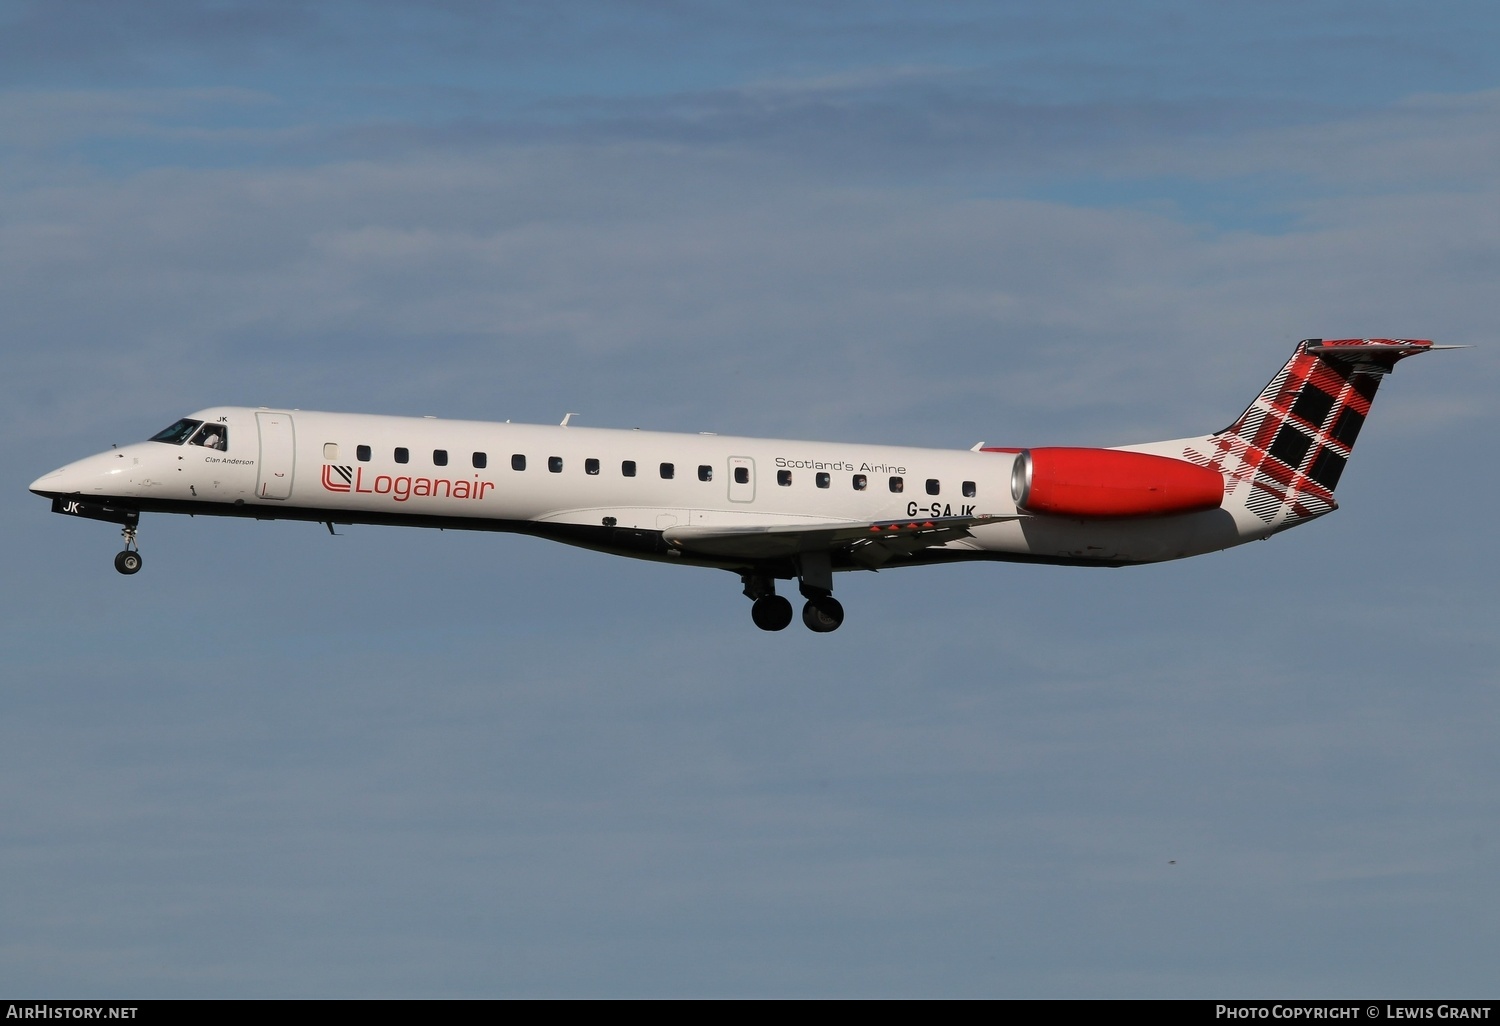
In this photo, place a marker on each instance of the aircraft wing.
(868, 542)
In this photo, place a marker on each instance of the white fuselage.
(615, 490)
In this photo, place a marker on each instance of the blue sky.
(402, 763)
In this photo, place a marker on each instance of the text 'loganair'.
(763, 509)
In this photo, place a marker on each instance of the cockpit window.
(177, 433)
(213, 436)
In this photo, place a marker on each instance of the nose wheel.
(128, 561)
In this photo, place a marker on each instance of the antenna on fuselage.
(567, 417)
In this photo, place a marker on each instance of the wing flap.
(874, 541)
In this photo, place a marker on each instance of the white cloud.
(42, 119)
(834, 309)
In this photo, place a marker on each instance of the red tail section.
(1283, 457)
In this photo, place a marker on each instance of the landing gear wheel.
(823, 614)
(129, 561)
(771, 613)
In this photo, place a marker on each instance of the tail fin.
(1283, 457)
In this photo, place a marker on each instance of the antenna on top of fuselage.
(567, 417)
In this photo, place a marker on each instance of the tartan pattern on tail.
(1285, 454)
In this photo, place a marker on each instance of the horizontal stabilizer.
(1354, 347)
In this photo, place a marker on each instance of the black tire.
(128, 562)
(771, 613)
(823, 615)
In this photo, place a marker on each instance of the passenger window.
(330, 450)
(861, 482)
(591, 466)
(969, 490)
(741, 475)
(705, 472)
(402, 456)
(897, 485)
(824, 480)
(440, 457)
(518, 462)
(667, 470)
(554, 464)
(481, 460)
(627, 468)
(932, 486)
(783, 477)
(213, 436)
(362, 453)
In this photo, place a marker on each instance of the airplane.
(765, 509)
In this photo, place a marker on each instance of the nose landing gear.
(128, 561)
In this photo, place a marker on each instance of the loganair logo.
(402, 487)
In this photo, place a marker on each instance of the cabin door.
(741, 479)
(278, 453)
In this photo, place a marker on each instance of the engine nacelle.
(1069, 482)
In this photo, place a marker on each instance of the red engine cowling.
(1109, 483)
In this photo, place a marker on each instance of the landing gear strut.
(128, 561)
(822, 613)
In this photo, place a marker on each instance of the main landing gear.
(821, 613)
(128, 561)
(771, 613)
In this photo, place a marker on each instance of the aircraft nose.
(48, 484)
(91, 474)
